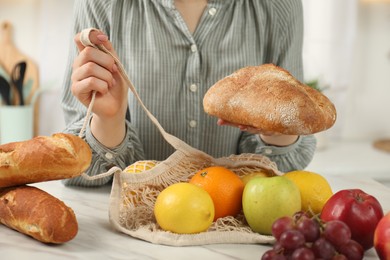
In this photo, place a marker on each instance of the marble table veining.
(96, 239)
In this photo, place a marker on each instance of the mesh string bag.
(133, 196)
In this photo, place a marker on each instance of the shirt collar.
(170, 3)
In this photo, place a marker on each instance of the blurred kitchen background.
(346, 50)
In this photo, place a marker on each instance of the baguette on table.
(43, 158)
(38, 214)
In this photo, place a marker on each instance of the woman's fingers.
(246, 128)
(95, 37)
(227, 123)
(83, 88)
(90, 54)
(99, 38)
(95, 70)
(85, 79)
(92, 69)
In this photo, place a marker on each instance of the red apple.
(359, 210)
(382, 237)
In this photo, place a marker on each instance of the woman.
(173, 51)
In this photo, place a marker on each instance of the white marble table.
(97, 240)
(352, 158)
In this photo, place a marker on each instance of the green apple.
(250, 176)
(266, 199)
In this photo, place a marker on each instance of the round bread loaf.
(269, 98)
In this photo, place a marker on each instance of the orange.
(224, 187)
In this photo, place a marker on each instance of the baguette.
(269, 98)
(43, 158)
(38, 214)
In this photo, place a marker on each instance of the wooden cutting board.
(10, 55)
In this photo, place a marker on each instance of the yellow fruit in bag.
(315, 189)
(140, 166)
(184, 208)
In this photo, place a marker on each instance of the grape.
(322, 248)
(352, 250)
(337, 232)
(303, 253)
(292, 239)
(272, 255)
(300, 214)
(309, 228)
(280, 249)
(339, 257)
(306, 237)
(280, 225)
(268, 255)
(277, 246)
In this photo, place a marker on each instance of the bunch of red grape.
(304, 237)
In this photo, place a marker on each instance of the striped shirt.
(172, 69)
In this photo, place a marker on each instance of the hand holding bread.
(269, 98)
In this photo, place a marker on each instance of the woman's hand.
(94, 70)
(268, 137)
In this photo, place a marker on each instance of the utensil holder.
(16, 123)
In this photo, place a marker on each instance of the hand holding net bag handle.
(128, 216)
(173, 140)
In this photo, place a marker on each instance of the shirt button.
(194, 48)
(193, 123)
(212, 11)
(267, 151)
(108, 156)
(193, 87)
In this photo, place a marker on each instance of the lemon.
(140, 166)
(184, 208)
(314, 188)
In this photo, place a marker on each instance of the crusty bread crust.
(268, 97)
(43, 158)
(38, 214)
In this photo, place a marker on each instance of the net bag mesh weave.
(133, 196)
